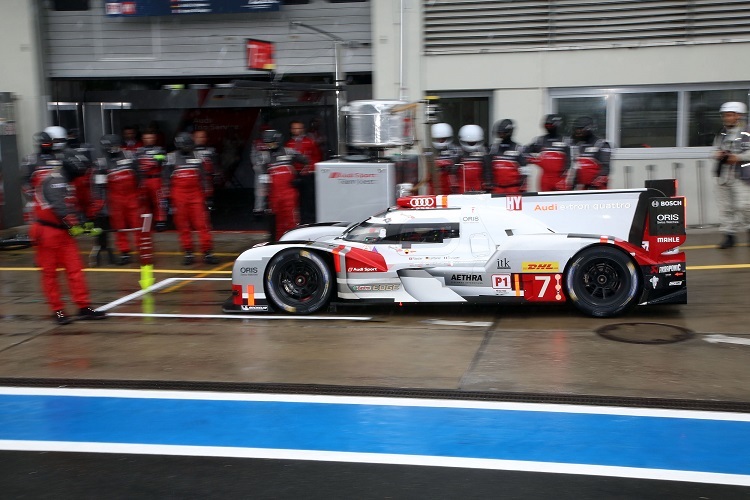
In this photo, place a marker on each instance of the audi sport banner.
(135, 8)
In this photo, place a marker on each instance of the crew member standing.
(446, 158)
(732, 152)
(189, 189)
(471, 171)
(150, 159)
(34, 168)
(122, 194)
(593, 158)
(506, 160)
(551, 152)
(56, 218)
(283, 180)
(305, 145)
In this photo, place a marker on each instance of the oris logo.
(422, 202)
(666, 218)
(248, 270)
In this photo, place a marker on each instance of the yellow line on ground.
(201, 275)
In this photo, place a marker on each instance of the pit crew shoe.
(124, 259)
(210, 258)
(88, 313)
(188, 259)
(61, 319)
(728, 242)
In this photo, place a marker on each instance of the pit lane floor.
(176, 338)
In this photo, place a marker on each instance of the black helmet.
(583, 127)
(553, 122)
(111, 143)
(503, 128)
(72, 167)
(184, 142)
(272, 139)
(43, 141)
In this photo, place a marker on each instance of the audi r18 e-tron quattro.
(602, 251)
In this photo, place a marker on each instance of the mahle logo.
(544, 267)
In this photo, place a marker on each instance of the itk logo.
(513, 202)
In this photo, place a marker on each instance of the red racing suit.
(445, 169)
(553, 157)
(150, 160)
(506, 160)
(306, 147)
(282, 189)
(471, 172)
(34, 169)
(56, 211)
(122, 198)
(592, 164)
(188, 189)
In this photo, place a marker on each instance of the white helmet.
(59, 137)
(441, 131)
(733, 107)
(471, 138)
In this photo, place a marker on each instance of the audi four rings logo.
(422, 202)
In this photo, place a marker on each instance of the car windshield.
(417, 232)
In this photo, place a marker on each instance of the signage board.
(139, 8)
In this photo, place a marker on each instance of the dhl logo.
(547, 267)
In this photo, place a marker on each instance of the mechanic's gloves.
(76, 231)
(160, 157)
(91, 229)
(600, 182)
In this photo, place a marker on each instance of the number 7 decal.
(542, 288)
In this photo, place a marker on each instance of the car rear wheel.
(603, 281)
(298, 281)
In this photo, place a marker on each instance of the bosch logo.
(655, 203)
(422, 202)
(671, 203)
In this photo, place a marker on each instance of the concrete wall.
(20, 67)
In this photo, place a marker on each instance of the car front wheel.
(298, 281)
(603, 282)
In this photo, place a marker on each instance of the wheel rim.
(603, 280)
(298, 280)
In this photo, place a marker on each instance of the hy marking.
(725, 339)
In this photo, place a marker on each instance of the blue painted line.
(684, 444)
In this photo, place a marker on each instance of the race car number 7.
(543, 290)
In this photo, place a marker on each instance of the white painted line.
(725, 339)
(379, 458)
(241, 316)
(377, 401)
(442, 322)
(133, 296)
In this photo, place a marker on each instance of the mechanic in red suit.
(446, 157)
(130, 141)
(150, 159)
(122, 194)
(592, 162)
(34, 168)
(282, 188)
(56, 219)
(472, 170)
(189, 189)
(506, 160)
(551, 152)
(306, 146)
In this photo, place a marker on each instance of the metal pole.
(699, 171)
(628, 168)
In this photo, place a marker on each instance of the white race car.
(604, 251)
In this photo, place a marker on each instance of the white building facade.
(651, 73)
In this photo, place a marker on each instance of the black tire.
(298, 281)
(603, 281)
